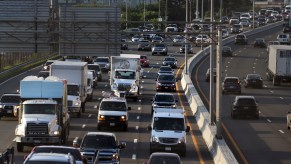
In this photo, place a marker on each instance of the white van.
(168, 131)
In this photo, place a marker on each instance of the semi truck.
(279, 64)
(76, 75)
(43, 115)
(125, 76)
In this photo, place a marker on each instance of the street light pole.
(197, 12)
(143, 12)
(253, 14)
(126, 14)
(211, 90)
(202, 10)
(186, 37)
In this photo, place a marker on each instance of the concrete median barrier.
(218, 148)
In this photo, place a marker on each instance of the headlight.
(174, 106)
(101, 117)
(164, 49)
(1, 106)
(155, 105)
(155, 139)
(173, 84)
(115, 157)
(181, 140)
(159, 83)
(56, 133)
(77, 103)
(123, 118)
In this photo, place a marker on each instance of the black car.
(231, 84)
(261, 21)
(207, 75)
(163, 100)
(241, 39)
(101, 145)
(162, 157)
(286, 29)
(226, 51)
(43, 74)
(123, 45)
(253, 80)
(170, 61)
(260, 42)
(244, 106)
(166, 82)
(236, 28)
(9, 104)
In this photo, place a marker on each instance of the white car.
(202, 39)
(135, 38)
(178, 40)
(225, 33)
(244, 22)
(245, 16)
(284, 38)
(275, 13)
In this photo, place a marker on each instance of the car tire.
(124, 128)
(233, 115)
(79, 114)
(99, 127)
(20, 147)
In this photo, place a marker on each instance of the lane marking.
(139, 108)
(269, 120)
(135, 141)
(137, 117)
(89, 115)
(83, 126)
(133, 157)
(187, 121)
(281, 131)
(136, 127)
(281, 98)
(139, 100)
(272, 91)
(234, 143)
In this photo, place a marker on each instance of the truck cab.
(168, 131)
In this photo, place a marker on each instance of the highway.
(266, 140)
(137, 137)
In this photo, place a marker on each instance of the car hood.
(127, 81)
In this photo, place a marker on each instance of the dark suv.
(166, 82)
(244, 106)
(231, 84)
(163, 100)
(101, 145)
(241, 39)
(9, 105)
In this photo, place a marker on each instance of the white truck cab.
(168, 131)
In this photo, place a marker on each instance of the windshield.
(169, 69)
(62, 150)
(165, 160)
(246, 101)
(160, 45)
(253, 77)
(105, 60)
(164, 98)
(99, 142)
(125, 75)
(167, 123)
(39, 108)
(46, 162)
(10, 99)
(113, 106)
(170, 59)
(73, 57)
(94, 67)
(73, 90)
(166, 77)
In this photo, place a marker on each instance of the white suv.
(284, 38)
(112, 112)
(168, 131)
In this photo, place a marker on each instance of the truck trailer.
(279, 64)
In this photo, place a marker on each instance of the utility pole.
(186, 37)
(197, 12)
(202, 10)
(218, 79)
(253, 14)
(143, 12)
(126, 14)
(211, 91)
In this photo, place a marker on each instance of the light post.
(197, 12)
(253, 14)
(126, 14)
(202, 10)
(186, 37)
(190, 10)
(211, 90)
(143, 12)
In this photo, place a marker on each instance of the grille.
(168, 140)
(70, 103)
(124, 87)
(112, 118)
(37, 129)
(8, 107)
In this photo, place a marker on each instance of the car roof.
(116, 99)
(231, 77)
(244, 97)
(100, 133)
(170, 94)
(165, 154)
(49, 157)
(11, 94)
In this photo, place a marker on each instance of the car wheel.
(20, 147)
(79, 114)
(99, 127)
(233, 115)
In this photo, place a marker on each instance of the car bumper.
(111, 124)
(38, 140)
(157, 147)
(166, 88)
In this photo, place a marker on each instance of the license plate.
(36, 141)
(112, 124)
(168, 148)
(246, 107)
(166, 87)
(9, 111)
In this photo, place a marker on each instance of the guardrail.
(217, 147)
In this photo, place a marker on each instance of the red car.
(144, 61)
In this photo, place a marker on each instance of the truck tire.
(124, 128)
(276, 81)
(79, 114)
(83, 107)
(20, 147)
(183, 153)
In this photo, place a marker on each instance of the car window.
(230, 80)
(143, 57)
(166, 123)
(10, 99)
(165, 69)
(170, 59)
(113, 106)
(98, 142)
(246, 101)
(164, 98)
(166, 77)
(102, 60)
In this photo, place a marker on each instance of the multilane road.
(266, 140)
(137, 137)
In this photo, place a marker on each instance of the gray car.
(103, 62)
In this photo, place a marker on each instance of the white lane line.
(265, 86)
(105, 85)
(254, 67)
(83, 126)
(158, 63)
(281, 98)
(281, 131)
(136, 127)
(89, 115)
(260, 111)
(226, 66)
(272, 91)
(228, 62)
(135, 141)
(139, 100)
(256, 59)
(142, 81)
(231, 58)
(139, 108)
(141, 86)
(133, 157)
(95, 106)
(140, 93)
(269, 120)
(225, 70)
(137, 117)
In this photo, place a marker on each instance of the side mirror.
(122, 145)
(188, 129)
(128, 108)
(149, 128)
(76, 143)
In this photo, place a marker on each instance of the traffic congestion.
(131, 108)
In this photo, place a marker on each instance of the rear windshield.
(165, 69)
(231, 81)
(94, 67)
(164, 98)
(75, 153)
(102, 60)
(165, 159)
(246, 102)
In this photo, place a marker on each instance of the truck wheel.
(83, 107)
(233, 115)
(183, 153)
(19, 147)
(276, 81)
(124, 128)
(79, 114)
(98, 127)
